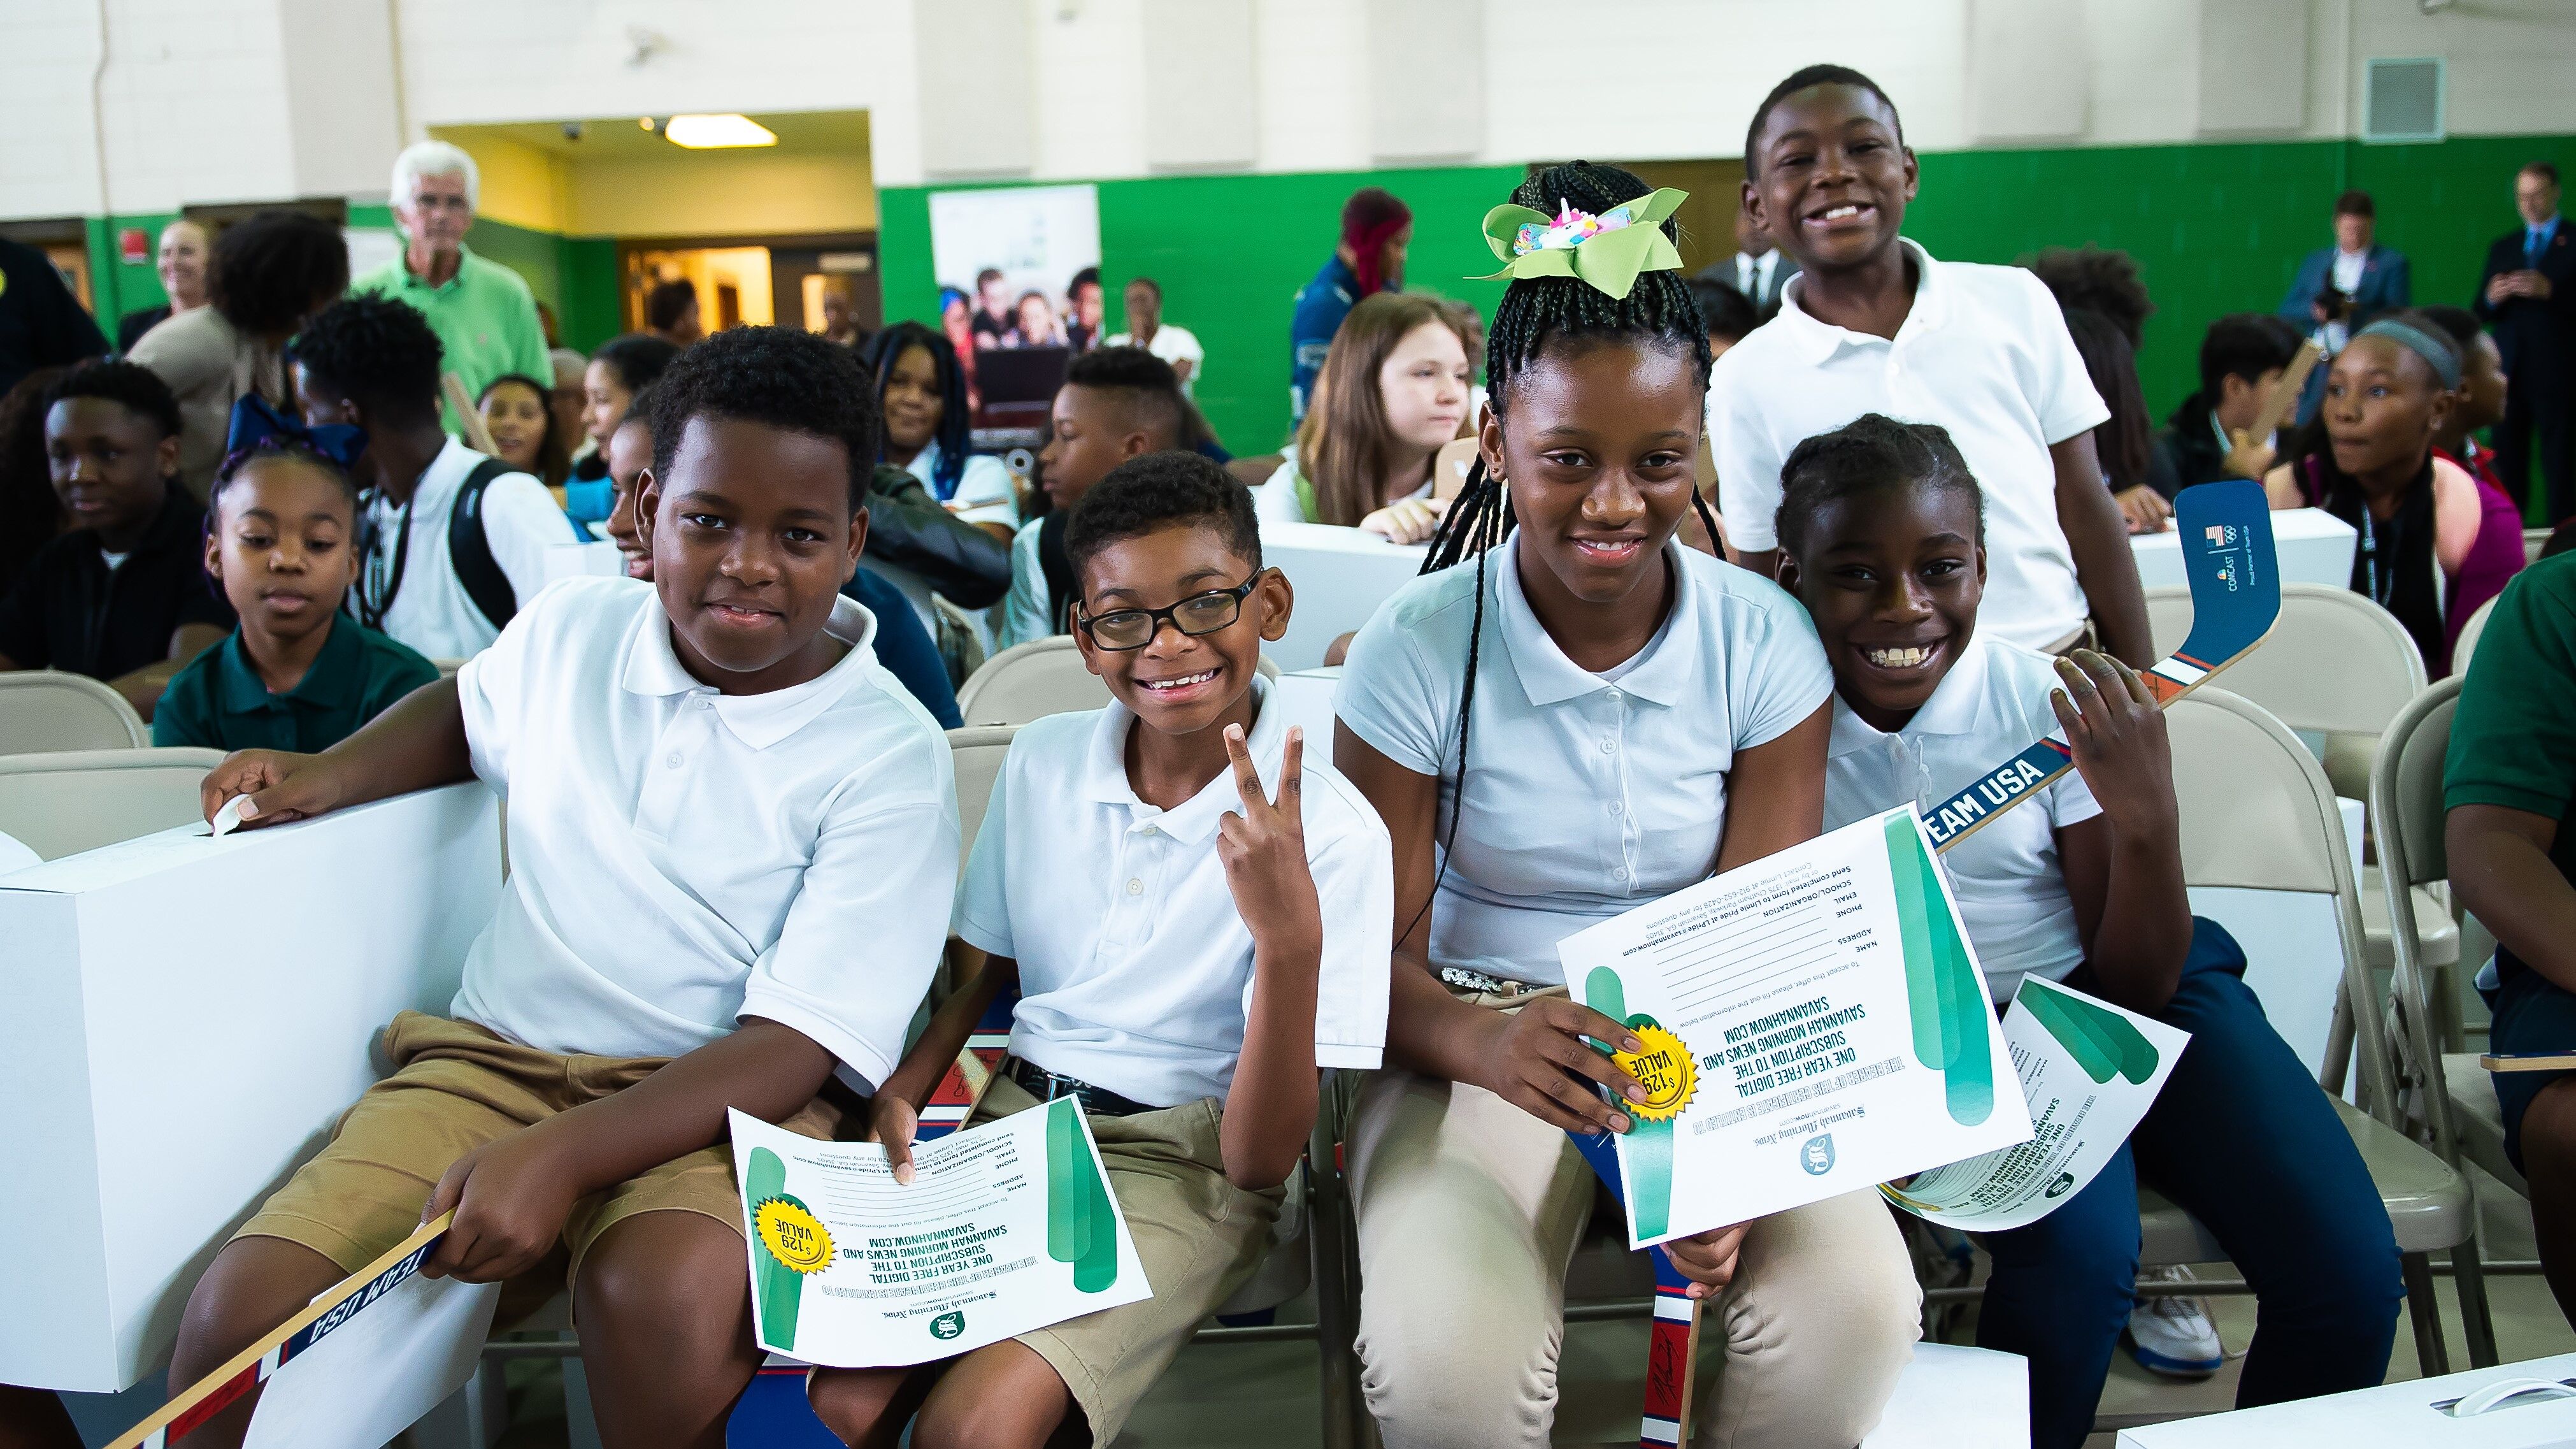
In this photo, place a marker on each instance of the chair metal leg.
(2432, 1355)
(2477, 1320)
(1336, 1302)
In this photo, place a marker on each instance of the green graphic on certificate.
(787, 1243)
(1082, 1228)
(1648, 1145)
(1952, 1023)
(2101, 1041)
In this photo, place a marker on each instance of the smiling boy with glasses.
(1194, 918)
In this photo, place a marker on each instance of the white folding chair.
(67, 802)
(46, 710)
(2340, 667)
(2467, 643)
(2257, 813)
(2450, 1098)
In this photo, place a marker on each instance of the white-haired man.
(484, 316)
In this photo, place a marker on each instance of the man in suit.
(2528, 298)
(2371, 279)
(1758, 269)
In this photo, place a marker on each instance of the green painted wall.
(1230, 253)
(2215, 229)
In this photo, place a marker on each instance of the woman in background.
(270, 274)
(186, 252)
(1397, 386)
(920, 391)
(2131, 463)
(1034, 323)
(957, 323)
(518, 410)
(623, 367)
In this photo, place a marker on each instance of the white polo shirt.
(1174, 345)
(984, 493)
(1585, 794)
(431, 611)
(681, 859)
(1135, 968)
(1985, 354)
(2010, 885)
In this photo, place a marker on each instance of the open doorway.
(806, 282)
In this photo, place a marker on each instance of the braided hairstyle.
(1870, 455)
(1536, 315)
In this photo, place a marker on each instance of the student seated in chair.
(1194, 918)
(452, 543)
(1117, 403)
(298, 674)
(2507, 789)
(732, 841)
(902, 645)
(122, 595)
(1882, 537)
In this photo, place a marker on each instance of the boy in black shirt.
(123, 596)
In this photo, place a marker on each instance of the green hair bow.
(1606, 251)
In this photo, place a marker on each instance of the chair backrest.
(62, 804)
(1030, 681)
(2335, 664)
(2467, 643)
(2406, 806)
(44, 710)
(978, 751)
(2257, 812)
(1033, 680)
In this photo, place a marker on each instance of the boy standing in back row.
(1873, 324)
(732, 839)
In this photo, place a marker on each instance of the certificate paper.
(1814, 1023)
(2089, 1070)
(1004, 1228)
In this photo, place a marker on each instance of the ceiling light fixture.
(644, 122)
(704, 133)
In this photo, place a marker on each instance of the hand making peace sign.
(1264, 849)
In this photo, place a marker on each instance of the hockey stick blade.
(2235, 600)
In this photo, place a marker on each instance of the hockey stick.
(260, 1362)
(2235, 600)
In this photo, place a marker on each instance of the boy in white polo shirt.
(452, 543)
(1872, 324)
(1187, 950)
(1880, 524)
(732, 841)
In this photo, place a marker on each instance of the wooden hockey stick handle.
(243, 1372)
(468, 416)
(2533, 1062)
(2285, 393)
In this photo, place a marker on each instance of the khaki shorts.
(1198, 1235)
(456, 1086)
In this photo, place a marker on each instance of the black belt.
(1046, 1086)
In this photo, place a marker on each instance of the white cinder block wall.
(215, 100)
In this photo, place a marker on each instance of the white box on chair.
(186, 1018)
(2415, 1414)
(1340, 576)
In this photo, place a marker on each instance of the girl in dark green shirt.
(299, 674)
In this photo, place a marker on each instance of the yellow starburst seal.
(1664, 1069)
(793, 1235)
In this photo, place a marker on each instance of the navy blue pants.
(2242, 1139)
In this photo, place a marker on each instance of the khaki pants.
(1469, 1212)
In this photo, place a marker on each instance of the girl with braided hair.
(1568, 715)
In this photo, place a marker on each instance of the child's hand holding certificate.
(1814, 1022)
(1004, 1228)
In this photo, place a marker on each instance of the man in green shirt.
(2509, 786)
(484, 315)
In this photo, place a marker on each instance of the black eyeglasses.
(1124, 629)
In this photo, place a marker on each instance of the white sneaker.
(2174, 1337)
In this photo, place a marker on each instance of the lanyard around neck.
(384, 579)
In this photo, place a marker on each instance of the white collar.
(1104, 773)
(1816, 341)
(758, 720)
(1547, 677)
(1958, 706)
